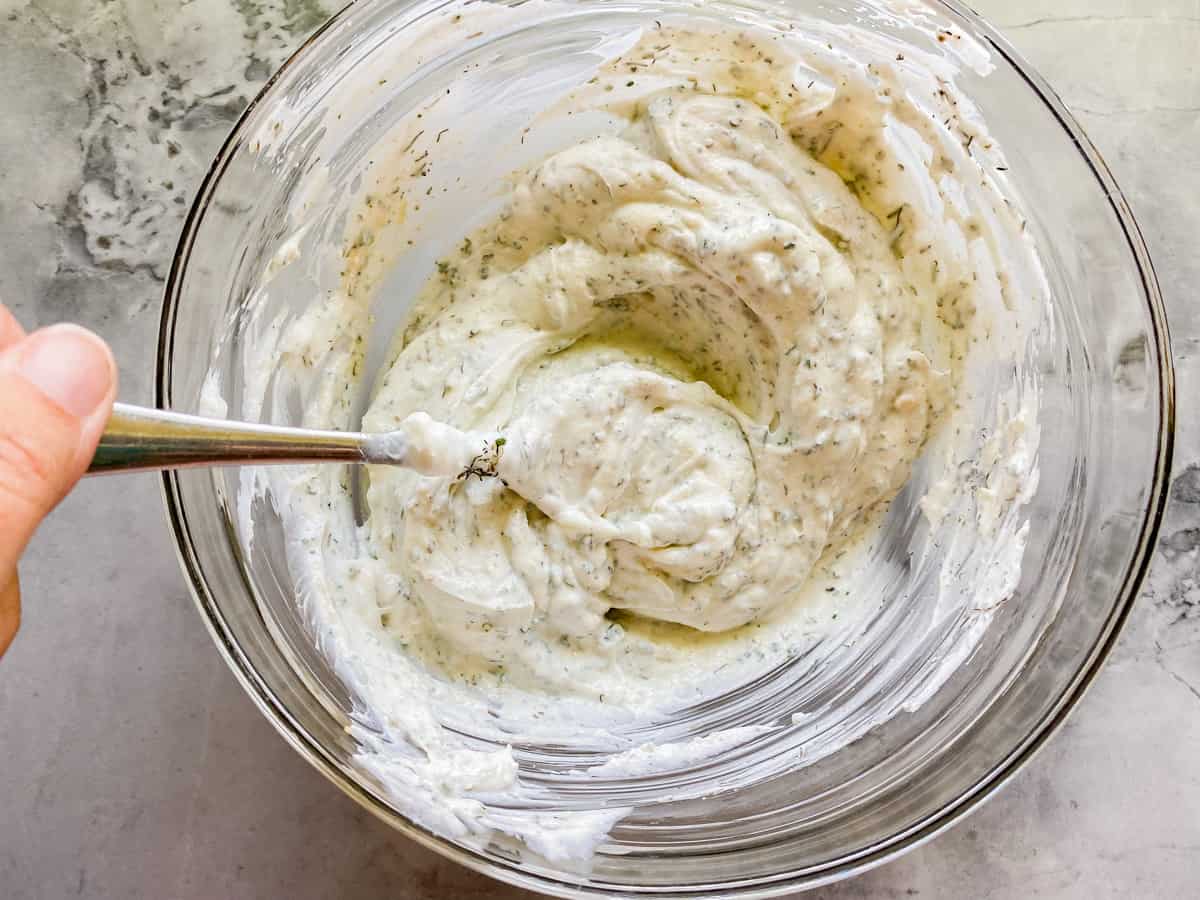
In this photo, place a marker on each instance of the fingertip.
(70, 365)
(56, 392)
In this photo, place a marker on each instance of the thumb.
(56, 392)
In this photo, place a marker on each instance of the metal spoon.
(138, 438)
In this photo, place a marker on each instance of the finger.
(10, 329)
(10, 612)
(56, 392)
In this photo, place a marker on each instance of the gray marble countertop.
(131, 763)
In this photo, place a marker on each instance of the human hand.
(56, 393)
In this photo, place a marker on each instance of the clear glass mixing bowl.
(1106, 418)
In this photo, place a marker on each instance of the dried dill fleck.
(485, 464)
(409, 145)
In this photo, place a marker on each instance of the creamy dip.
(692, 359)
(704, 368)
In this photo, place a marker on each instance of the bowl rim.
(852, 864)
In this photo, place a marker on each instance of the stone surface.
(132, 765)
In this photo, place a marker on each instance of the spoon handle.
(138, 438)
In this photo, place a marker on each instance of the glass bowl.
(283, 182)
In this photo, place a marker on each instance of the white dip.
(707, 367)
(697, 352)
